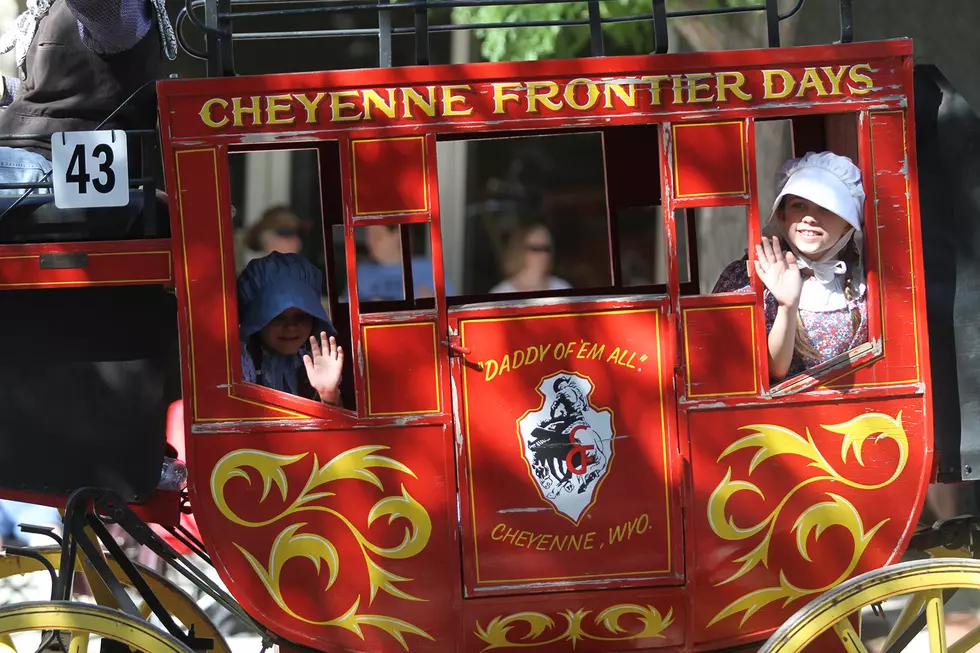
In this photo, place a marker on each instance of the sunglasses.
(538, 248)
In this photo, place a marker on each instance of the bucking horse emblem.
(567, 443)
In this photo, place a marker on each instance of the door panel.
(568, 463)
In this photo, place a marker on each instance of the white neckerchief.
(824, 290)
(19, 36)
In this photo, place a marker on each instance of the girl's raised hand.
(779, 272)
(324, 367)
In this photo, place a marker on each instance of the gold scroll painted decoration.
(773, 441)
(496, 634)
(291, 543)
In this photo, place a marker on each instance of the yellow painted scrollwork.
(496, 633)
(773, 441)
(292, 543)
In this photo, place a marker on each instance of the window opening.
(382, 252)
(535, 217)
(826, 340)
(643, 251)
(281, 252)
(721, 234)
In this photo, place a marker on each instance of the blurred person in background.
(528, 262)
(380, 277)
(278, 230)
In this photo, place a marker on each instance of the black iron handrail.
(218, 23)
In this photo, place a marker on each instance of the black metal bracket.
(422, 34)
(661, 40)
(846, 21)
(772, 22)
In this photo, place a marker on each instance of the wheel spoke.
(79, 642)
(936, 622)
(7, 644)
(905, 618)
(848, 637)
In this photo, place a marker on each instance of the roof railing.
(219, 18)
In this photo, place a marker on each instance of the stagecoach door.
(568, 463)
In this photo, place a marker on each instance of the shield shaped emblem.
(567, 444)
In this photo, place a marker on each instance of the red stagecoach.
(599, 468)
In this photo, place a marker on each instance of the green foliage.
(530, 43)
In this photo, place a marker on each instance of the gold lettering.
(449, 98)
(859, 78)
(493, 533)
(693, 87)
(677, 84)
(626, 94)
(613, 356)
(337, 106)
(541, 545)
(311, 105)
(505, 364)
(517, 364)
(373, 99)
(835, 79)
(581, 349)
(788, 84)
(511, 534)
(559, 351)
(238, 111)
(655, 88)
(576, 541)
(410, 96)
(521, 536)
(735, 86)
(534, 96)
(273, 107)
(592, 94)
(568, 351)
(597, 350)
(532, 350)
(206, 113)
(490, 365)
(811, 80)
(588, 540)
(499, 96)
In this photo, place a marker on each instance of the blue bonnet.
(271, 284)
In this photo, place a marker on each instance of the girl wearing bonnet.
(815, 295)
(280, 315)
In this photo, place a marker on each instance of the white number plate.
(90, 169)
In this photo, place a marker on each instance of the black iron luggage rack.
(220, 15)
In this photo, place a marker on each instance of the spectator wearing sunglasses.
(528, 262)
(278, 230)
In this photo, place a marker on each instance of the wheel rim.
(174, 599)
(923, 580)
(83, 621)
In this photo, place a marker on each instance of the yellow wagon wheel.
(176, 601)
(923, 581)
(82, 622)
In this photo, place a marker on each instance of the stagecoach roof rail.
(220, 15)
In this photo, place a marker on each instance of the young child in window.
(280, 313)
(810, 263)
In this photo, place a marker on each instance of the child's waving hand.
(324, 368)
(779, 272)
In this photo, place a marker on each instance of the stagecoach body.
(594, 470)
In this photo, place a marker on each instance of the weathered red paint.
(420, 504)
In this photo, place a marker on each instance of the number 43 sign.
(90, 169)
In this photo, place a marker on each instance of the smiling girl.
(815, 296)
